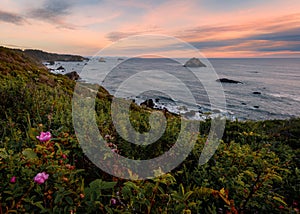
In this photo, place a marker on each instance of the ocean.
(269, 88)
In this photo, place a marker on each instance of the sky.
(218, 28)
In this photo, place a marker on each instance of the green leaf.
(131, 185)
(29, 153)
(99, 184)
(3, 153)
(33, 132)
(279, 200)
(187, 195)
(181, 189)
(69, 200)
(161, 189)
(58, 198)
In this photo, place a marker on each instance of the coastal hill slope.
(19, 71)
(16, 65)
(45, 56)
(254, 170)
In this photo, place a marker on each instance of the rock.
(216, 111)
(194, 62)
(101, 59)
(157, 100)
(256, 92)
(148, 103)
(51, 62)
(225, 80)
(182, 108)
(73, 75)
(191, 113)
(60, 68)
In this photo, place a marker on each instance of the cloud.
(287, 47)
(51, 10)
(54, 11)
(11, 18)
(116, 35)
(292, 34)
(230, 5)
(281, 34)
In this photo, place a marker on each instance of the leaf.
(181, 189)
(161, 189)
(39, 205)
(98, 184)
(131, 185)
(57, 198)
(224, 195)
(33, 132)
(69, 200)
(279, 200)
(187, 195)
(29, 153)
(222, 191)
(3, 153)
(59, 148)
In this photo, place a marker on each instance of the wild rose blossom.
(13, 179)
(113, 201)
(40, 178)
(44, 136)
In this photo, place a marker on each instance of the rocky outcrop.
(225, 80)
(73, 75)
(148, 103)
(61, 68)
(191, 113)
(194, 62)
(256, 92)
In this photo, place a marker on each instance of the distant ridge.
(45, 56)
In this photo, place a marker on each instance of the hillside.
(24, 80)
(254, 170)
(44, 56)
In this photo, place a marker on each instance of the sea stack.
(194, 62)
(102, 60)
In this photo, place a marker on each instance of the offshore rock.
(194, 62)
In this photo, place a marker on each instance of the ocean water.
(275, 81)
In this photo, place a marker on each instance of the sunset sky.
(218, 28)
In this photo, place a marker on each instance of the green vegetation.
(44, 56)
(254, 170)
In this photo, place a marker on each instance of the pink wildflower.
(13, 179)
(40, 178)
(115, 150)
(44, 136)
(113, 201)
